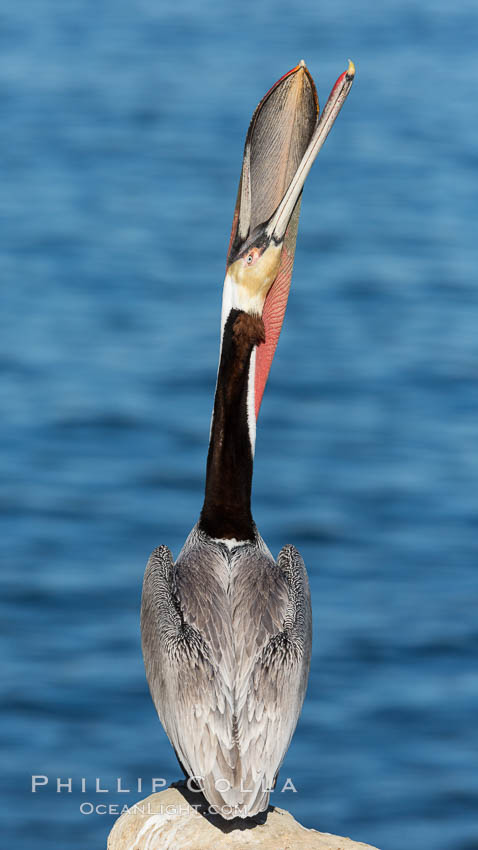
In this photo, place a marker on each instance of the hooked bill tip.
(351, 70)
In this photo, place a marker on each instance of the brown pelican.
(226, 630)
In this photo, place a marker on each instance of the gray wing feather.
(189, 679)
(189, 693)
(271, 687)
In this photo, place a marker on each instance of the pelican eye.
(249, 259)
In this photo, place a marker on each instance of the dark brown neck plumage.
(226, 512)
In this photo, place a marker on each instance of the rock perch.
(170, 821)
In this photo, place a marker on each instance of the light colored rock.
(168, 821)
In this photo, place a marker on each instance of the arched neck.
(226, 512)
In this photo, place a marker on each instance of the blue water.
(121, 144)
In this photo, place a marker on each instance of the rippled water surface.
(122, 134)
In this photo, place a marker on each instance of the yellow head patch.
(254, 275)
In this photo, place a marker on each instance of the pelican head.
(283, 140)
